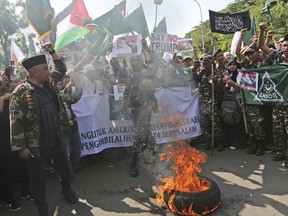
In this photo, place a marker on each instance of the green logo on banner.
(267, 91)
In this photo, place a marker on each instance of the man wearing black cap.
(220, 61)
(206, 103)
(35, 111)
(256, 115)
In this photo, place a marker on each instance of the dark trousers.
(37, 173)
(7, 175)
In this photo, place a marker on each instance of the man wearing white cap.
(91, 82)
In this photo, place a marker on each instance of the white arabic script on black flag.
(225, 23)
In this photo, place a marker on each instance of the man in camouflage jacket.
(35, 110)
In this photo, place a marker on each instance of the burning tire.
(201, 203)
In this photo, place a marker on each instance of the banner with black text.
(179, 119)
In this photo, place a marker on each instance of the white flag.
(234, 42)
(16, 54)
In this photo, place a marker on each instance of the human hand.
(243, 31)
(243, 70)
(213, 42)
(5, 96)
(25, 154)
(263, 25)
(48, 47)
(230, 82)
(270, 33)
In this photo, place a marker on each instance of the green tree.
(10, 24)
(279, 23)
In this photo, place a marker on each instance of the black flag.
(225, 23)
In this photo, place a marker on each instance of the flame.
(185, 164)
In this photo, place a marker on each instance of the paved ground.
(249, 185)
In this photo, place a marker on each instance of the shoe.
(260, 150)
(252, 148)
(279, 157)
(69, 195)
(269, 148)
(13, 205)
(208, 147)
(27, 196)
(285, 164)
(220, 148)
(134, 172)
(208, 142)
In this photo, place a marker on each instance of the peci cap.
(233, 60)
(285, 38)
(207, 58)
(187, 58)
(89, 67)
(217, 52)
(34, 61)
(251, 49)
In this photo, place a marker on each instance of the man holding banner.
(280, 110)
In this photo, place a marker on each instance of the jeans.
(72, 145)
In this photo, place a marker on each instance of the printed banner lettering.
(161, 42)
(179, 119)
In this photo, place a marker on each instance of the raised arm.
(261, 44)
(239, 44)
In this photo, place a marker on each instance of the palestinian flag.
(74, 26)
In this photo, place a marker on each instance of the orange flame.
(185, 164)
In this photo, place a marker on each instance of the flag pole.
(243, 110)
(212, 108)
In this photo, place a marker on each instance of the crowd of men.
(39, 127)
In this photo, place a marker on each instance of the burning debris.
(187, 193)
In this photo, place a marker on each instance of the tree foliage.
(10, 24)
(279, 23)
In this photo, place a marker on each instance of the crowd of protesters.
(259, 128)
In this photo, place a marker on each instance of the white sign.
(127, 46)
(161, 42)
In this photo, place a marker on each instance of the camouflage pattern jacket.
(24, 113)
(68, 98)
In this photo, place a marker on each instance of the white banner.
(179, 118)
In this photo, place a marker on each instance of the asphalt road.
(250, 185)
